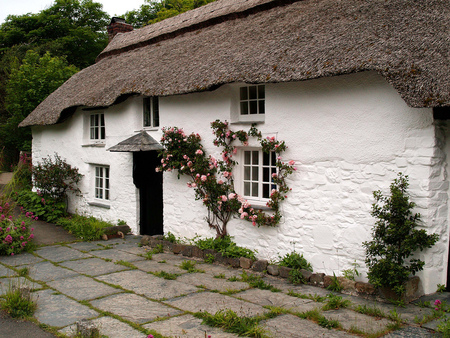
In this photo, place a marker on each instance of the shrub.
(294, 260)
(84, 227)
(15, 234)
(44, 207)
(21, 179)
(225, 246)
(55, 177)
(395, 238)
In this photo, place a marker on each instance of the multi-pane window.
(97, 126)
(252, 100)
(151, 112)
(102, 182)
(258, 169)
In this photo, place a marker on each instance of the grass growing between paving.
(254, 281)
(18, 301)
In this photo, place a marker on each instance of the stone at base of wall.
(366, 290)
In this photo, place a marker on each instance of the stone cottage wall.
(349, 135)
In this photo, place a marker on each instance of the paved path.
(119, 290)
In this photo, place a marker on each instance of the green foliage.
(46, 208)
(166, 275)
(209, 258)
(296, 277)
(352, 273)
(370, 311)
(155, 11)
(328, 324)
(170, 237)
(87, 228)
(15, 233)
(444, 327)
(256, 282)
(441, 288)
(225, 246)
(229, 321)
(189, 266)
(335, 302)
(127, 264)
(158, 249)
(28, 85)
(55, 177)
(21, 179)
(335, 285)
(18, 302)
(294, 260)
(395, 238)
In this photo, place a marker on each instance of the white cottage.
(359, 90)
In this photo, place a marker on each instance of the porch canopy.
(140, 142)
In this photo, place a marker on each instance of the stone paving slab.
(86, 246)
(7, 283)
(58, 310)
(170, 258)
(412, 332)
(154, 266)
(292, 326)
(23, 258)
(187, 326)
(5, 272)
(432, 325)
(216, 270)
(117, 255)
(46, 272)
(213, 302)
(148, 285)
(108, 327)
(211, 283)
(60, 253)
(93, 266)
(82, 288)
(131, 248)
(134, 308)
(351, 319)
(269, 298)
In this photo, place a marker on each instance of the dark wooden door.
(150, 185)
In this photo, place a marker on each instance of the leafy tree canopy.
(28, 85)
(72, 28)
(155, 11)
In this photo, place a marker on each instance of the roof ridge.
(261, 7)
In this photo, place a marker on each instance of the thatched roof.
(257, 41)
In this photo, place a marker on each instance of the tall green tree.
(29, 84)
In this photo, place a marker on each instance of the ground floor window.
(258, 168)
(102, 182)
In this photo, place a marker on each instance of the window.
(102, 182)
(97, 126)
(151, 112)
(252, 100)
(258, 168)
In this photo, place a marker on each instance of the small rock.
(306, 274)
(233, 261)
(260, 265)
(284, 271)
(365, 288)
(327, 281)
(187, 250)
(219, 258)
(167, 245)
(158, 237)
(317, 278)
(245, 263)
(144, 240)
(86, 328)
(197, 252)
(347, 284)
(273, 270)
(177, 248)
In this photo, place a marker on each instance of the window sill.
(100, 205)
(151, 128)
(94, 145)
(259, 205)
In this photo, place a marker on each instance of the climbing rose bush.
(15, 233)
(213, 179)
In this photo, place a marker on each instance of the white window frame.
(150, 112)
(257, 176)
(97, 127)
(102, 188)
(239, 101)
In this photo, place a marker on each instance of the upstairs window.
(252, 100)
(258, 168)
(151, 112)
(102, 182)
(97, 127)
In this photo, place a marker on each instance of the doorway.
(150, 185)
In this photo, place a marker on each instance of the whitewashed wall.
(349, 135)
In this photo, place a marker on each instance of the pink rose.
(199, 152)
(291, 162)
(219, 182)
(203, 178)
(231, 195)
(224, 198)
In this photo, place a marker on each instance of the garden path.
(123, 293)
